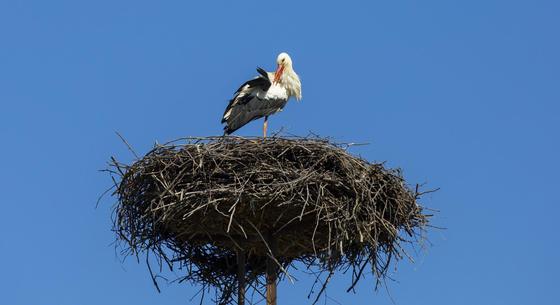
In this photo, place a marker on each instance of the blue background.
(463, 95)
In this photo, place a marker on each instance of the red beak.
(278, 73)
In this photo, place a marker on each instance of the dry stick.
(128, 145)
(240, 277)
(271, 272)
(271, 252)
(324, 286)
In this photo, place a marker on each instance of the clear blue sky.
(463, 95)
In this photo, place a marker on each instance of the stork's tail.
(227, 130)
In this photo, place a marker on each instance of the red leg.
(265, 126)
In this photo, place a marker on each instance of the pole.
(271, 273)
(240, 277)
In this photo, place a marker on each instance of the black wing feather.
(261, 81)
(245, 106)
(263, 73)
(255, 108)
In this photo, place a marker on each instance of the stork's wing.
(250, 102)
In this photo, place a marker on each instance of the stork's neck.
(290, 80)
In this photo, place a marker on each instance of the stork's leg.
(265, 126)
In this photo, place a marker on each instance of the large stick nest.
(196, 205)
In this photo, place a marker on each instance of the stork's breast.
(276, 92)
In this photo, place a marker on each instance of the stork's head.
(284, 62)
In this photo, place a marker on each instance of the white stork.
(262, 96)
